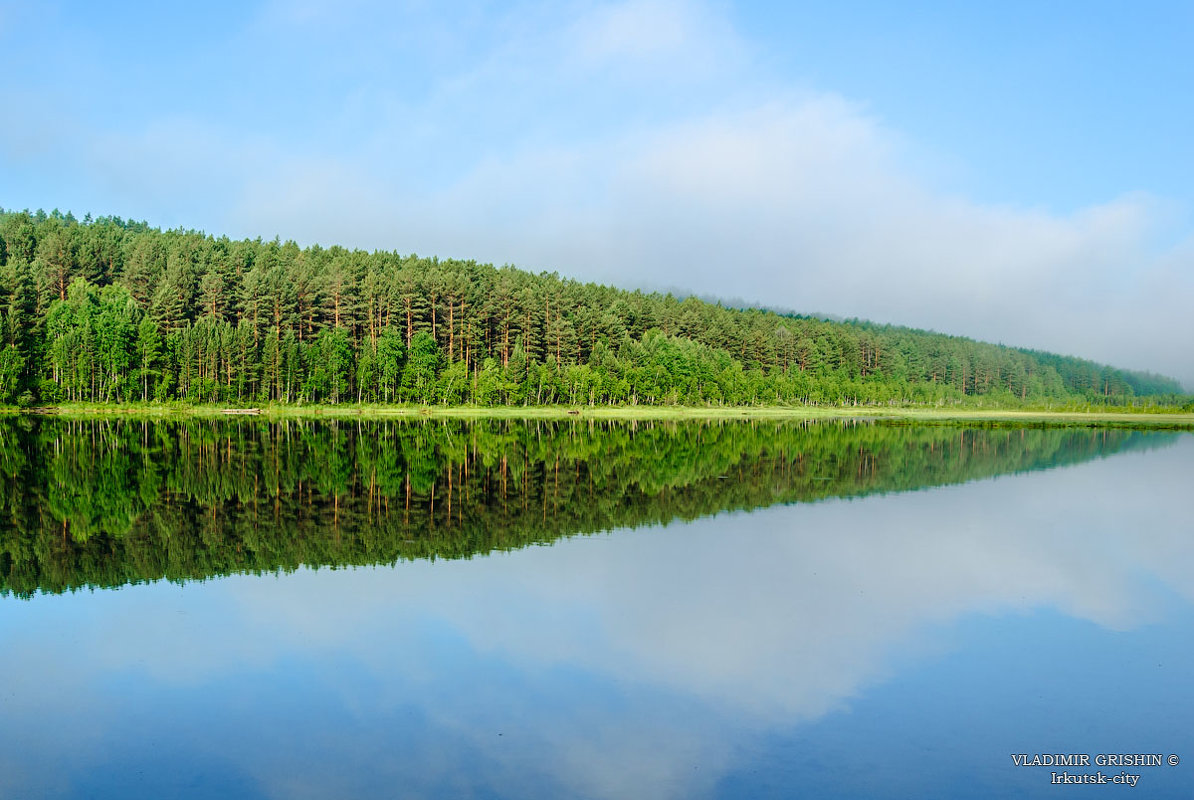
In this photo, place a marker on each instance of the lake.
(252, 609)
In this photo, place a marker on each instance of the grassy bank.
(1109, 418)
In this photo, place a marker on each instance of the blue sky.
(1017, 172)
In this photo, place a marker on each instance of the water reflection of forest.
(113, 502)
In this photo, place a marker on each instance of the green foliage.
(110, 502)
(12, 364)
(148, 350)
(423, 361)
(109, 310)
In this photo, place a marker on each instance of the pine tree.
(148, 352)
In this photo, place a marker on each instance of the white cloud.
(800, 200)
(635, 30)
(681, 39)
(641, 143)
(803, 204)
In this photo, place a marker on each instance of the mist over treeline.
(111, 310)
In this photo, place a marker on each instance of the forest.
(108, 502)
(108, 310)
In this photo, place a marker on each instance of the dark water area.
(579, 609)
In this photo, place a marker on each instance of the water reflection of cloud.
(749, 620)
(790, 610)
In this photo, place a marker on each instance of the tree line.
(111, 502)
(110, 310)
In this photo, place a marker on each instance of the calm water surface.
(244, 609)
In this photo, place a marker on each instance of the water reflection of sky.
(901, 645)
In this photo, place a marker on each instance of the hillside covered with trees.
(109, 310)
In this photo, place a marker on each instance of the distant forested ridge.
(108, 310)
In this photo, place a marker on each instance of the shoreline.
(1119, 418)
